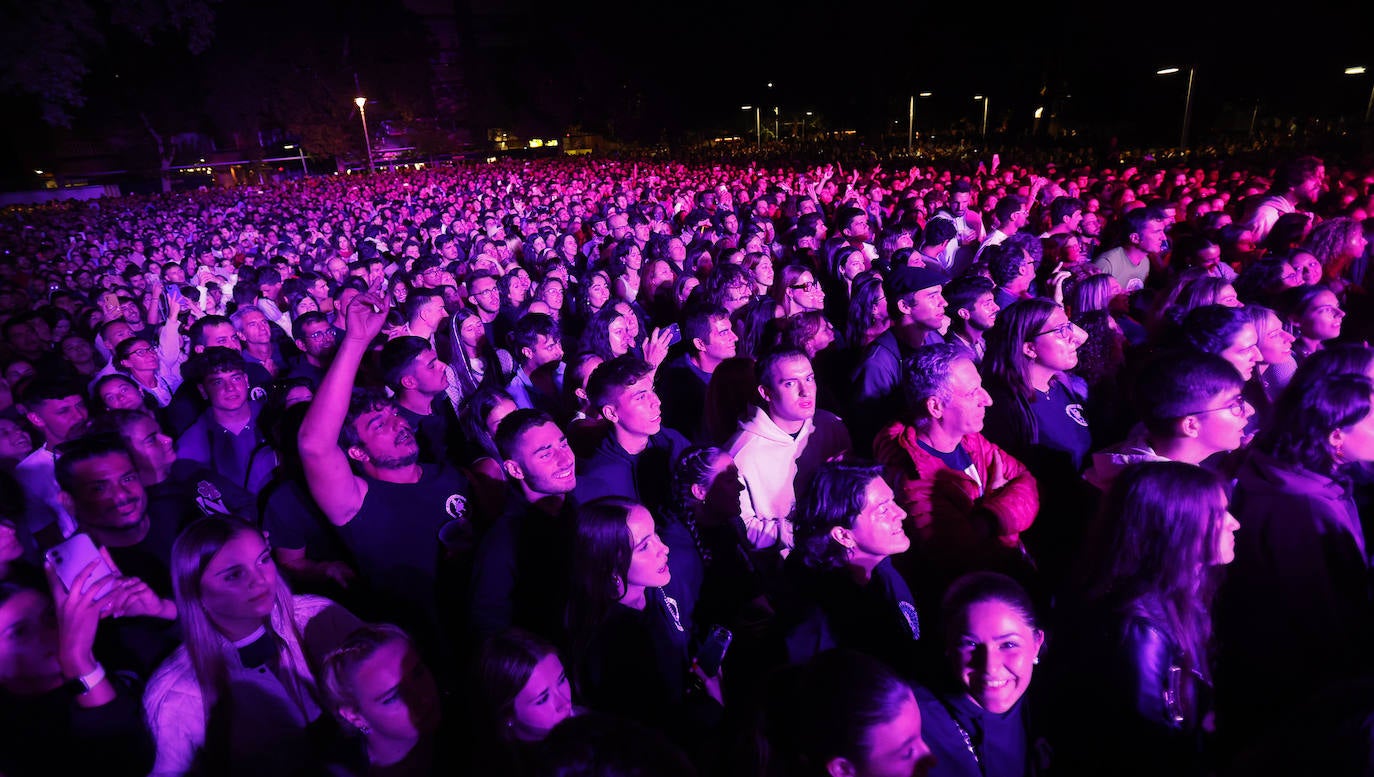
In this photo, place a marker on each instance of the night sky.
(654, 72)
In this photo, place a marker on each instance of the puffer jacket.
(953, 517)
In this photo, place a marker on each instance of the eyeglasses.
(1237, 406)
(144, 351)
(321, 334)
(485, 292)
(810, 285)
(1064, 331)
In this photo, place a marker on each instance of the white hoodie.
(766, 457)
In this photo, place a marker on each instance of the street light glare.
(1166, 71)
(1357, 70)
(746, 107)
(924, 94)
(978, 97)
(360, 101)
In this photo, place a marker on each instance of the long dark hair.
(1306, 414)
(1155, 539)
(601, 555)
(827, 709)
(1005, 358)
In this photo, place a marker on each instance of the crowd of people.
(593, 467)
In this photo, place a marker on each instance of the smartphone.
(712, 651)
(74, 554)
(674, 334)
(109, 301)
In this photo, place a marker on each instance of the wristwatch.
(93, 678)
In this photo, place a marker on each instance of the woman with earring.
(977, 717)
(377, 685)
(847, 529)
(630, 654)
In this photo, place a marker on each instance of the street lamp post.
(758, 126)
(300, 154)
(911, 119)
(984, 98)
(361, 102)
(1187, 102)
(1360, 70)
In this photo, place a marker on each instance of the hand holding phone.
(712, 652)
(72, 557)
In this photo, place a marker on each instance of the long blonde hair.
(210, 652)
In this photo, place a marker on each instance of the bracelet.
(94, 678)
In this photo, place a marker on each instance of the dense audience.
(591, 467)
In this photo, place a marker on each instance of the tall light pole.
(984, 98)
(911, 119)
(1360, 70)
(300, 153)
(758, 126)
(1187, 102)
(361, 102)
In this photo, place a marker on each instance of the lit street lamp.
(361, 102)
(1187, 102)
(1360, 70)
(758, 127)
(911, 119)
(300, 152)
(985, 112)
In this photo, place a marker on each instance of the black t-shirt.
(395, 539)
(1063, 423)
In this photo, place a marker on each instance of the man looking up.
(521, 567)
(916, 305)
(635, 458)
(392, 510)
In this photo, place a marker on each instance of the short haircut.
(417, 299)
(197, 331)
(212, 361)
(771, 361)
(1004, 262)
(1062, 207)
(612, 377)
(926, 375)
(1174, 384)
(84, 448)
(962, 292)
(514, 426)
(46, 386)
(308, 317)
(696, 322)
(397, 356)
(1007, 207)
(1212, 328)
(938, 232)
(526, 333)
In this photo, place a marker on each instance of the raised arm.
(338, 491)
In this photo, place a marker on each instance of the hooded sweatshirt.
(766, 457)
